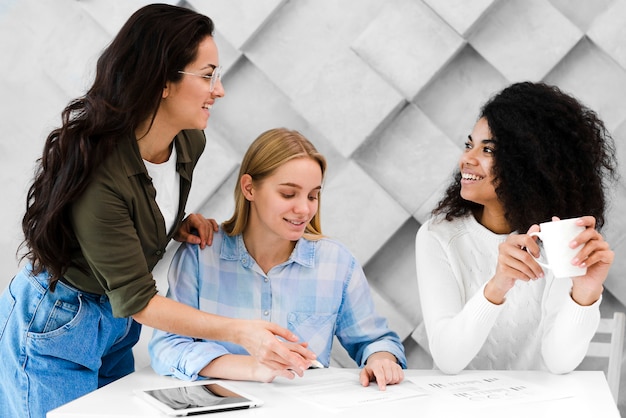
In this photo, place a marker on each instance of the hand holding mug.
(514, 263)
(558, 251)
(592, 255)
(597, 256)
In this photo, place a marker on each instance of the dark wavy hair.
(155, 42)
(553, 157)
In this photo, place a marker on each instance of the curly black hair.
(553, 157)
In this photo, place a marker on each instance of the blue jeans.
(57, 346)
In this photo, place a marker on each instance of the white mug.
(555, 237)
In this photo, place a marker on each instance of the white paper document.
(484, 389)
(342, 390)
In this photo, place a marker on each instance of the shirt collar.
(233, 248)
(133, 163)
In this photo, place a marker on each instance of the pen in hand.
(316, 365)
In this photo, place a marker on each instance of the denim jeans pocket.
(7, 304)
(66, 330)
(54, 314)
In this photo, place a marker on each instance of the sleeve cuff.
(190, 361)
(483, 310)
(379, 346)
(581, 314)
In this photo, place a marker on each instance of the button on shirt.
(319, 292)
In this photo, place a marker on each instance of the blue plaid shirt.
(319, 292)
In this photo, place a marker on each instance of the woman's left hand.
(205, 228)
(597, 256)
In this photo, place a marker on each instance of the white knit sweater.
(538, 327)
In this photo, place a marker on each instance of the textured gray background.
(387, 90)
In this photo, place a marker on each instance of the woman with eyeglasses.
(109, 194)
(535, 153)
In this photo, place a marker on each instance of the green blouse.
(120, 231)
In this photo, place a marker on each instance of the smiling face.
(476, 164)
(187, 103)
(284, 203)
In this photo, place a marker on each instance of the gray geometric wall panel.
(387, 89)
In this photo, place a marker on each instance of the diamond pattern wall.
(386, 89)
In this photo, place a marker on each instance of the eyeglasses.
(212, 78)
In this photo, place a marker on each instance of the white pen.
(317, 365)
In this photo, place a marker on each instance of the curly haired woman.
(535, 154)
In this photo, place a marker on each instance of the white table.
(590, 397)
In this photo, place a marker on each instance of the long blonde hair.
(265, 155)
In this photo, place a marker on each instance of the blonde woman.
(270, 262)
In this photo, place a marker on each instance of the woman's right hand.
(514, 263)
(262, 373)
(260, 339)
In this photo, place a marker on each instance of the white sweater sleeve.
(456, 324)
(569, 327)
